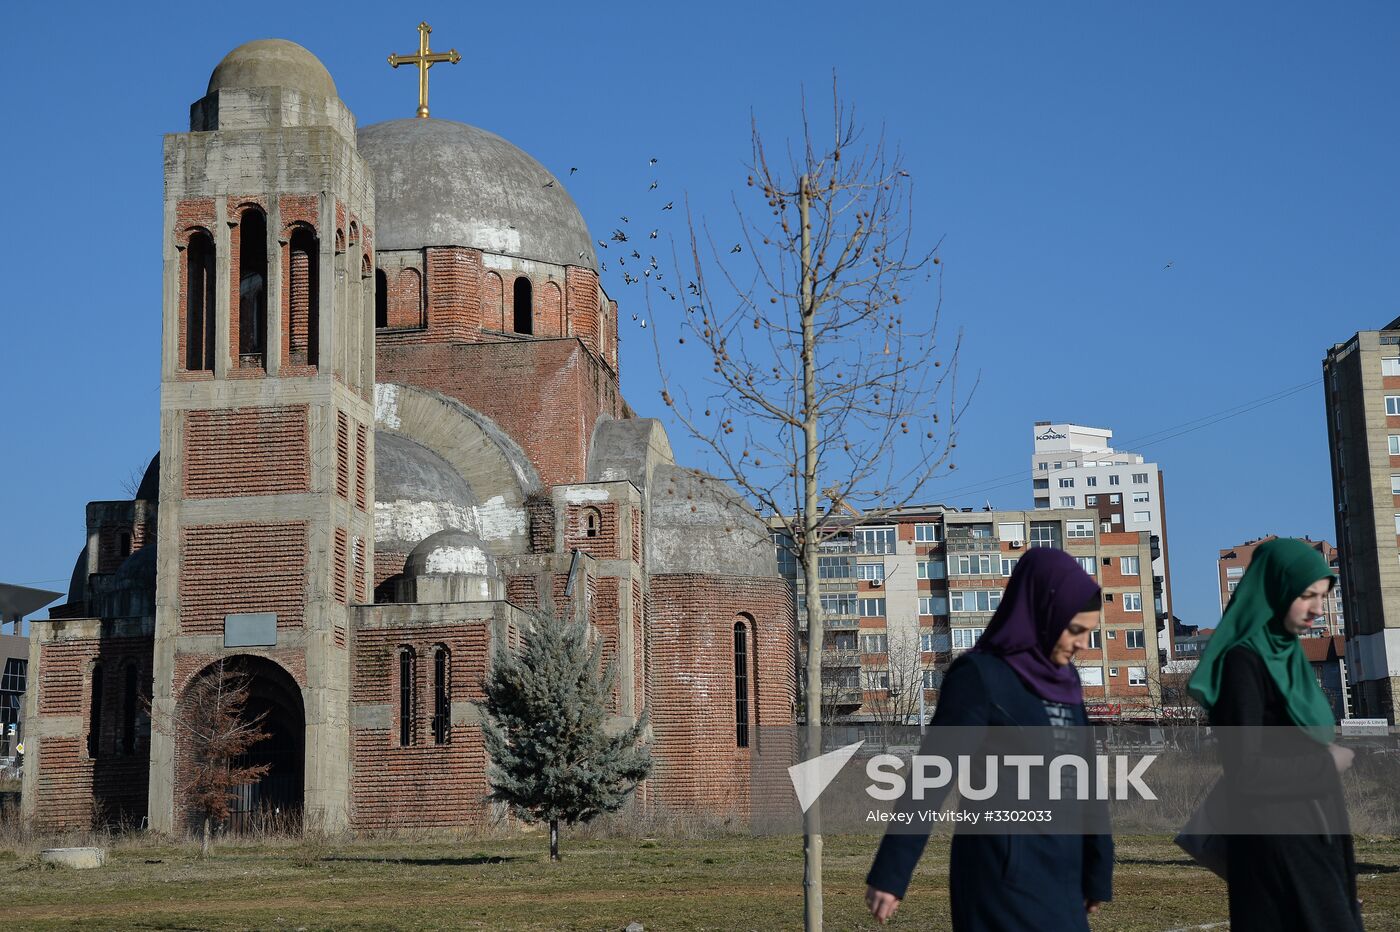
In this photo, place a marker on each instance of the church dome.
(443, 183)
(450, 552)
(417, 493)
(273, 63)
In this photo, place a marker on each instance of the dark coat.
(1281, 883)
(1002, 882)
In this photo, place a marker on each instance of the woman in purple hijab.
(1019, 674)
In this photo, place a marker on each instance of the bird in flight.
(653, 185)
(737, 248)
(620, 236)
(669, 205)
(572, 170)
(652, 162)
(549, 183)
(1169, 264)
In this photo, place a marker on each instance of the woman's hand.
(1092, 906)
(1342, 757)
(882, 905)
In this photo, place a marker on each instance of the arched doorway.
(273, 701)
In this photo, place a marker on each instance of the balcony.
(966, 543)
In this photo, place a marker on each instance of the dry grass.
(499, 880)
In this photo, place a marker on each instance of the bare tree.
(903, 672)
(211, 722)
(827, 384)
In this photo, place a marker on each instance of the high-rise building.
(1235, 560)
(904, 596)
(1073, 466)
(1361, 381)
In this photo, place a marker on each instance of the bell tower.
(267, 422)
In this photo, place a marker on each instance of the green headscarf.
(1280, 571)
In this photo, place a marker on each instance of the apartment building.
(903, 597)
(1361, 385)
(1233, 562)
(1073, 466)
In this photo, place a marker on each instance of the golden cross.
(424, 60)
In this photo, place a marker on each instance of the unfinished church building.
(390, 423)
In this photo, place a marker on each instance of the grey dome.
(273, 63)
(416, 494)
(443, 183)
(149, 489)
(699, 524)
(450, 552)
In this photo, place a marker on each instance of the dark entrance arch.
(274, 801)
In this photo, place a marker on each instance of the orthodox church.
(391, 427)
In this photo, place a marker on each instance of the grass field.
(731, 882)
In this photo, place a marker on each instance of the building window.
(1045, 534)
(971, 564)
(1395, 485)
(303, 322)
(252, 289)
(974, 600)
(1140, 478)
(1112, 671)
(1234, 572)
(1066, 483)
(875, 643)
(965, 638)
(1091, 676)
(1013, 530)
(1132, 601)
(1081, 529)
(407, 695)
(872, 608)
(524, 312)
(1137, 676)
(1044, 467)
(1390, 365)
(381, 299)
(741, 685)
(933, 679)
(928, 533)
(932, 569)
(874, 540)
(1091, 500)
(1095, 639)
(1059, 465)
(933, 605)
(199, 302)
(592, 522)
(95, 712)
(1008, 565)
(1086, 564)
(1140, 497)
(877, 679)
(131, 699)
(844, 604)
(1134, 639)
(870, 572)
(934, 642)
(1115, 479)
(1130, 566)
(1394, 443)
(1066, 501)
(835, 567)
(1392, 405)
(1142, 517)
(442, 695)
(1091, 481)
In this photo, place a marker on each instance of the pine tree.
(552, 758)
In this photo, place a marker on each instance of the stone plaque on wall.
(251, 629)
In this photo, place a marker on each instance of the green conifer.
(545, 716)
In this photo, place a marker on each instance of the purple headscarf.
(1046, 590)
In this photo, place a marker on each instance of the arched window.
(442, 695)
(131, 699)
(741, 685)
(381, 299)
(95, 712)
(524, 312)
(408, 695)
(592, 522)
(303, 315)
(252, 289)
(199, 302)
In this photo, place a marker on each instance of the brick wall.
(581, 301)
(604, 544)
(230, 568)
(692, 617)
(523, 591)
(424, 784)
(342, 455)
(247, 451)
(547, 395)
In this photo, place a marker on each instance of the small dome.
(137, 571)
(149, 490)
(443, 183)
(273, 63)
(450, 552)
(700, 524)
(416, 494)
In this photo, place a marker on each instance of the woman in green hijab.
(1283, 776)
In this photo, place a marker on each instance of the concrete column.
(223, 313)
(274, 285)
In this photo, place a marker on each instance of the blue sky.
(1064, 153)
